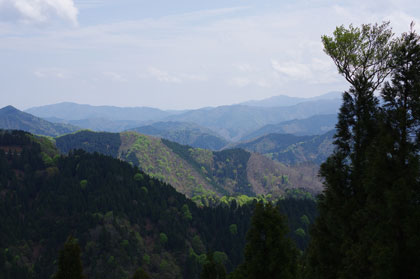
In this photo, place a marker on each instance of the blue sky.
(175, 54)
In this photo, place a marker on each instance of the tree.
(393, 183)
(141, 274)
(69, 262)
(268, 252)
(363, 57)
(212, 269)
(369, 211)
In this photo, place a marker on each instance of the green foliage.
(138, 177)
(186, 212)
(83, 184)
(69, 262)
(104, 143)
(233, 229)
(369, 210)
(212, 268)
(110, 212)
(268, 252)
(163, 238)
(140, 274)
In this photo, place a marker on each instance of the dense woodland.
(106, 218)
(121, 218)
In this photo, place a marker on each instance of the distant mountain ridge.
(314, 125)
(233, 122)
(230, 122)
(12, 118)
(285, 101)
(73, 111)
(184, 133)
(291, 149)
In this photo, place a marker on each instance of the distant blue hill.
(14, 119)
(314, 125)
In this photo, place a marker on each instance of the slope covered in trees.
(121, 217)
(184, 133)
(197, 172)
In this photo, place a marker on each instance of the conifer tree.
(362, 56)
(212, 269)
(393, 183)
(268, 252)
(69, 262)
(141, 274)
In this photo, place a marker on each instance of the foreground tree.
(268, 252)
(69, 262)
(393, 183)
(369, 208)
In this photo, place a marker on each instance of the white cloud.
(38, 11)
(52, 73)
(163, 76)
(115, 76)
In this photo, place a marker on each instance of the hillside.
(121, 217)
(193, 171)
(291, 149)
(314, 125)
(184, 133)
(12, 118)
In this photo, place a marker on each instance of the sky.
(182, 54)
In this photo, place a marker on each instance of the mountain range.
(231, 123)
(12, 118)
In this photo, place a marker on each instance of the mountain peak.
(9, 108)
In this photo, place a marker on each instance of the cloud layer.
(38, 11)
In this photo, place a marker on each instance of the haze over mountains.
(231, 123)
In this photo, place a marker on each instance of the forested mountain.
(121, 217)
(233, 122)
(196, 172)
(12, 118)
(184, 133)
(314, 125)
(290, 149)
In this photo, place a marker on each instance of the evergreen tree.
(69, 262)
(212, 269)
(141, 274)
(393, 178)
(268, 252)
(362, 56)
(369, 212)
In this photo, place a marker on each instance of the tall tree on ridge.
(362, 56)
